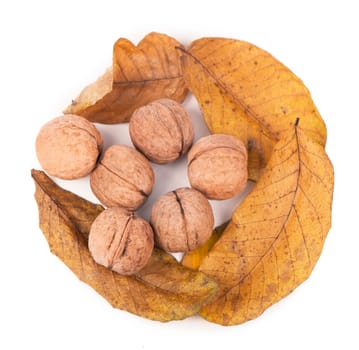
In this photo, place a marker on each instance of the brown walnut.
(182, 220)
(121, 241)
(217, 166)
(68, 147)
(162, 130)
(123, 177)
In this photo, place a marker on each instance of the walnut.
(182, 220)
(68, 147)
(123, 177)
(121, 241)
(217, 166)
(161, 130)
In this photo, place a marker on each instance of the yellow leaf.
(193, 258)
(164, 290)
(139, 75)
(276, 234)
(244, 91)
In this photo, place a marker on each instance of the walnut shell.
(123, 177)
(68, 147)
(217, 166)
(182, 220)
(121, 241)
(162, 130)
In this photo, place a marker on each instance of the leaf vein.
(146, 81)
(315, 210)
(302, 234)
(261, 104)
(316, 176)
(259, 221)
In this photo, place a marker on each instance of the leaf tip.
(35, 173)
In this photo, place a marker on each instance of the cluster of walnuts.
(70, 147)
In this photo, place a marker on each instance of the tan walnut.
(123, 177)
(162, 130)
(217, 166)
(121, 241)
(182, 220)
(68, 147)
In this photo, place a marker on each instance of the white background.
(51, 50)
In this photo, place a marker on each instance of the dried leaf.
(193, 259)
(164, 290)
(276, 234)
(139, 75)
(244, 91)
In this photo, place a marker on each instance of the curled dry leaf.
(276, 234)
(164, 290)
(244, 91)
(139, 75)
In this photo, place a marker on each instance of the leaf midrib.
(295, 191)
(145, 81)
(245, 108)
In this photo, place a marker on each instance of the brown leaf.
(139, 75)
(164, 290)
(194, 258)
(244, 91)
(276, 234)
